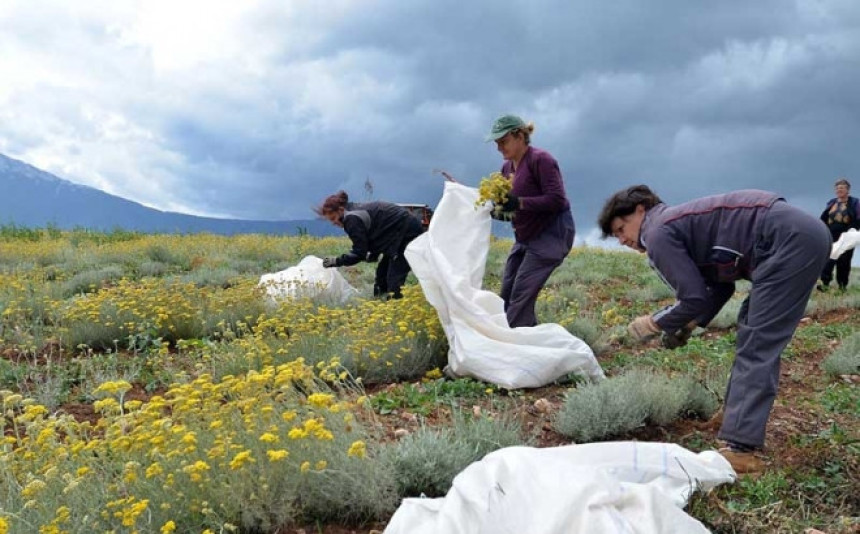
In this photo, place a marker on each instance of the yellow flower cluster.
(200, 442)
(494, 188)
(369, 333)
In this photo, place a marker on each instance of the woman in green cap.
(542, 221)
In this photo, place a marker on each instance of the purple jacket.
(700, 248)
(538, 183)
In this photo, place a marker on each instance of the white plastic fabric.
(307, 279)
(847, 241)
(449, 262)
(616, 487)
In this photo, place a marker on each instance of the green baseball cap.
(504, 125)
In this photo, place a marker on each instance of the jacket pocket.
(725, 264)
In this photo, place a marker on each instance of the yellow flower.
(112, 388)
(33, 488)
(268, 437)
(154, 470)
(321, 465)
(4, 525)
(306, 466)
(168, 527)
(358, 449)
(433, 374)
(321, 400)
(241, 459)
(297, 433)
(277, 455)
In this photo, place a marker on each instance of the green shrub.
(728, 316)
(586, 327)
(91, 280)
(163, 254)
(427, 461)
(152, 268)
(845, 360)
(621, 404)
(211, 277)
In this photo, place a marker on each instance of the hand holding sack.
(643, 328)
(511, 204)
(330, 262)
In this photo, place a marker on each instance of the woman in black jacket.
(841, 214)
(376, 229)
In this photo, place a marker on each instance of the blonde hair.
(526, 132)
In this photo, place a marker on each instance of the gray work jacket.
(700, 248)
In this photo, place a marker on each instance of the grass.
(168, 314)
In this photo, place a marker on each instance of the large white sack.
(847, 241)
(623, 487)
(449, 262)
(307, 279)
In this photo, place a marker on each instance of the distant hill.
(35, 199)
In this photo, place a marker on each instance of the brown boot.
(744, 463)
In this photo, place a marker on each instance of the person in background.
(542, 220)
(375, 229)
(700, 248)
(841, 214)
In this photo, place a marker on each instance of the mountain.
(34, 198)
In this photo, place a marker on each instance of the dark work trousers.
(843, 269)
(791, 249)
(530, 264)
(392, 269)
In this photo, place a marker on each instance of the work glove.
(330, 262)
(679, 338)
(643, 328)
(512, 203)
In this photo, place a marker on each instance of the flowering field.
(148, 385)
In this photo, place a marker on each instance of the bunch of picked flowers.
(495, 188)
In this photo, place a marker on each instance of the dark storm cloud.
(692, 98)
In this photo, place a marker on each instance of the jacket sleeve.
(670, 259)
(825, 215)
(553, 198)
(355, 229)
(855, 223)
(720, 294)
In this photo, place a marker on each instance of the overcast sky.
(258, 110)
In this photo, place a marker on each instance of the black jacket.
(375, 228)
(837, 229)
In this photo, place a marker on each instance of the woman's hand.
(643, 328)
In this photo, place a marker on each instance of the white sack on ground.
(847, 241)
(307, 279)
(623, 487)
(449, 262)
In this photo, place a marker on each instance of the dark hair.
(842, 181)
(623, 203)
(332, 203)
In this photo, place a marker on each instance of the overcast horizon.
(258, 110)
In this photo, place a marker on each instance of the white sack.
(623, 487)
(307, 279)
(847, 241)
(449, 262)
